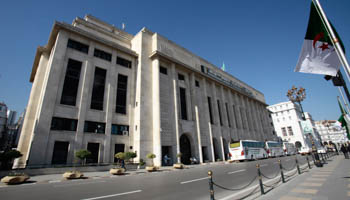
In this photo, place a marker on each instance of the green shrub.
(120, 155)
(151, 156)
(82, 155)
(7, 157)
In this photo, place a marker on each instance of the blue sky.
(259, 41)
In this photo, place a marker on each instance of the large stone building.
(99, 88)
(331, 131)
(291, 127)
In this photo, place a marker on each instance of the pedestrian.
(166, 159)
(123, 164)
(344, 150)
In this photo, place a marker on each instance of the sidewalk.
(332, 181)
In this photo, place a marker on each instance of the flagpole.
(334, 39)
(342, 95)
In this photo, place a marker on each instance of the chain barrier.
(288, 176)
(235, 189)
(290, 168)
(260, 176)
(270, 177)
(273, 184)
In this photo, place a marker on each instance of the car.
(305, 150)
(321, 150)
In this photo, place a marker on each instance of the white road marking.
(263, 165)
(242, 170)
(190, 181)
(288, 160)
(56, 181)
(73, 184)
(113, 195)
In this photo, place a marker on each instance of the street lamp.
(298, 95)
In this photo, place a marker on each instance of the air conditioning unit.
(125, 132)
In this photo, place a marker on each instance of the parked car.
(305, 150)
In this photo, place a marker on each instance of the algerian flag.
(342, 119)
(223, 67)
(318, 55)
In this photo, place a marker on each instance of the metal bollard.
(211, 185)
(282, 175)
(308, 162)
(296, 161)
(323, 158)
(260, 180)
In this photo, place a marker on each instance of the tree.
(151, 156)
(130, 155)
(7, 157)
(82, 155)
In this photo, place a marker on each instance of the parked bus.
(289, 149)
(247, 149)
(274, 148)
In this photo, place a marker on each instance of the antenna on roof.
(123, 26)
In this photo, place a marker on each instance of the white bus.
(274, 148)
(247, 149)
(289, 149)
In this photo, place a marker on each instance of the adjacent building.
(290, 125)
(99, 88)
(3, 124)
(331, 131)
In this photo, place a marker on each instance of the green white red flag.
(318, 55)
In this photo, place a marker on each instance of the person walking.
(344, 149)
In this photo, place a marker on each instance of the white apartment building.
(99, 88)
(290, 126)
(331, 131)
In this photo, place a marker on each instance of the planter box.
(178, 166)
(14, 179)
(73, 175)
(117, 171)
(151, 168)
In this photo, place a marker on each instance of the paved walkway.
(332, 181)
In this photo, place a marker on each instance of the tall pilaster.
(177, 135)
(157, 145)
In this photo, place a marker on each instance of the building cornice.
(156, 54)
(58, 26)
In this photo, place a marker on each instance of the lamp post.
(298, 95)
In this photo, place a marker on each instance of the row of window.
(220, 117)
(65, 124)
(71, 84)
(180, 77)
(98, 53)
(284, 131)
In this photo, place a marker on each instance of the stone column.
(199, 136)
(157, 145)
(173, 74)
(211, 148)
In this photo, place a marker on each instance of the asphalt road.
(191, 183)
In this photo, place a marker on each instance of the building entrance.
(185, 149)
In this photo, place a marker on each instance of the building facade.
(331, 131)
(99, 88)
(3, 124)
(290, 126)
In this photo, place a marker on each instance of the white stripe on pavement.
(263, 165)
(56, 181)
(199, 179)
(79, 183)
(113, 195)
(242, 170)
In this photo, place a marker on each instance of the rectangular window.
(235, 116)
(94, 127)
(124, 62)
(219, 109)
(197, 83)
(228, 116)
(284, 132)
(183, 103)
(181, 77)
(94, 148)
(120, 129)
(60, 152)
(78, 46)
(290, 130)
(63, 124)
(163, 70)
(203, 68)
(103, 55)
(71, 83)
(121, 94)
(210, 112)
(98, 89)
(118, 148)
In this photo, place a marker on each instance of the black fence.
(284, 174)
